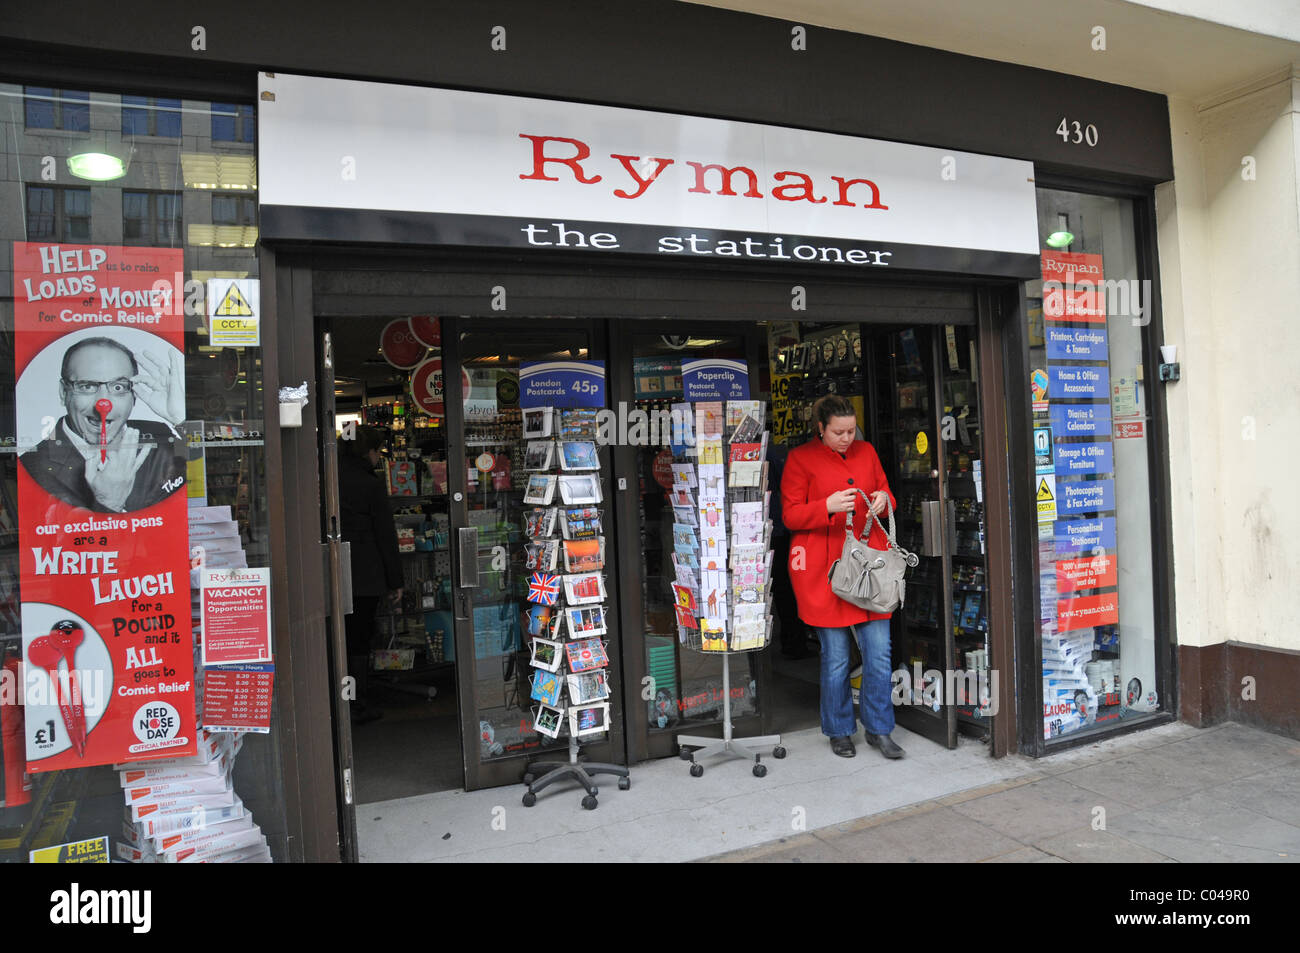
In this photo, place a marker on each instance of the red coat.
(813, 472)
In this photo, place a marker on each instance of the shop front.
(424, 264)
(932, 335)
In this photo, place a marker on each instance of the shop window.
(48, 108)
(149, 116)
(151, 218)
(58, 214)
(205, 461)
(238, 210)
(1091, 477)
(231, 123)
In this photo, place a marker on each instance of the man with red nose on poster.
(97, 457)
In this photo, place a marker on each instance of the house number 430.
(1071, 131)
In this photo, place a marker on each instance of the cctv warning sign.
(234, 318)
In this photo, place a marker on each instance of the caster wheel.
(529, 779)
(697, 770)
(530, 799)
(778, 752)
(624, 783)
(589, 802)
(760, 770)
(684, 754)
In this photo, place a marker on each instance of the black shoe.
(844, 747)
(886, 745)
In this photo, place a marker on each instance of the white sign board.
(358, 161)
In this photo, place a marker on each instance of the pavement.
(1171, 793)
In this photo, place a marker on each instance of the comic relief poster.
(104, 563)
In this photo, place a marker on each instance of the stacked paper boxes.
(1069, 697)
(184, 810)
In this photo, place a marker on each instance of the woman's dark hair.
(364, 440)
(832, 405)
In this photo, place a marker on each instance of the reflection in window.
(149, 116)
(234, 209)
(58, 214)
(231, 123)
(48, 108)
(151, 218)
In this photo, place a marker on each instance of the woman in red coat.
(818, 495)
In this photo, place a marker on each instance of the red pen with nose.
(47, 652)
(104, 406)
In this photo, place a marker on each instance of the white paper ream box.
(168, 774)
(222, 544)
(210, 514)
(220, 845)
(131, 833)
(154, 793)
(179, 805)
(155, 825)
(194, 837)
(134, 855)
(259, 854)
(201, 531)
(227, 560)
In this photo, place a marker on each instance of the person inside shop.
(819, 494)
(367, 523)
(96, 457)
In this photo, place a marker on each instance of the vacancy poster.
(103, 543)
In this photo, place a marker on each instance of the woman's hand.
(842, 501)
(879, 500)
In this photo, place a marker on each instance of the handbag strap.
(890, 533)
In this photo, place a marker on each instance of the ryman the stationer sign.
(352, 161)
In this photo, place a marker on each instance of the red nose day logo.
(156, 721)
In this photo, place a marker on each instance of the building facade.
(1029, 277)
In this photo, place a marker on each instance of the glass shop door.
(929, 438)
(499, 484)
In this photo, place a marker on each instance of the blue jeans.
(837, 697)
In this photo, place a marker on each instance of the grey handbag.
(871, 579)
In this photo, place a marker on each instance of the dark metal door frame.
(340, 678)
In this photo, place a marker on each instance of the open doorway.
(406, 726)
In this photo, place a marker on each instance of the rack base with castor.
(540, 775)
(746, 749)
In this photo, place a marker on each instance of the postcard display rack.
(566, 611)
(722, 553)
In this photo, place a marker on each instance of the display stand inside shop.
(565, 617)
(722, 552)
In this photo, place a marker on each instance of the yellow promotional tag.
(922, 443)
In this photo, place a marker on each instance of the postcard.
(586, 655)
(541, 487)
(540, 455)
(579, 455)
(538, 422)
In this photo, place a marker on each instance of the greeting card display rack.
(722, 554)
(566, 614)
